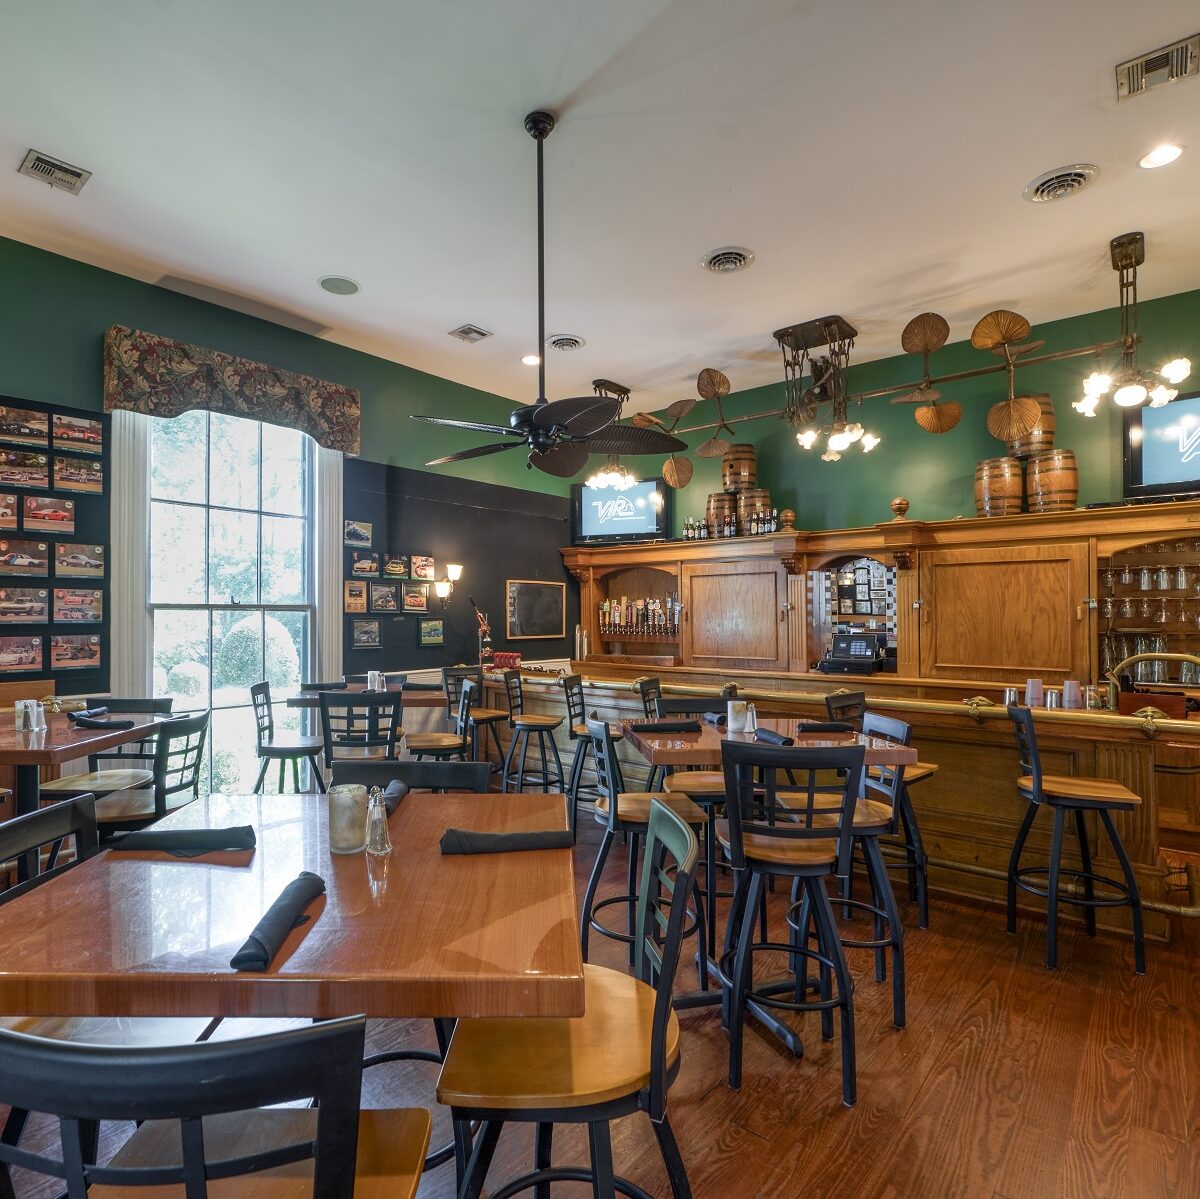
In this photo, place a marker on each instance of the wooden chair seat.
(131, 1032)
(633, 807)
(1081, 789)
(487, 715)
(291, 747)
(123, 806)
(536, 721)
(361, 753)
(868, 814)
(426, 742)
(391, 1153)
(780, 852)
(696, 782)
(555, 1063)
(617, 730)
(97, 782)
(915, 773)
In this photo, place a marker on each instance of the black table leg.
(28, 788)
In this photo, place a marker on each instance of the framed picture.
(365, 564)
(78, 606)
(24, 469)
(357, 532)
(73, 561)
(44, 515)
(878, 607)
(24, 605)
(415, 597)
(24, 558)
(365, 634)
(9, 504)
(355, 598)
(78, 474)
(74, 653)
(423, 568)
(862, 607)
(862, 591)
(845, 607)
(20, 655)
(23, 426)
(879, 593)
(534, 610)
(75, 433)
(432, 632)
(383, 597)
(395, 566)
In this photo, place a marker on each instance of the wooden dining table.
(60, 741)
(421, 698)
(414, 933)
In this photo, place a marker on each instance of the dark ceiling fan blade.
(580, 416)
(474, 425)
(564, 460)
(478, 452)
(627, 439)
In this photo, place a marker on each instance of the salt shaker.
(751, 718)
(379, 840)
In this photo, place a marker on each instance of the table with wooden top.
(60, 741)
(412, 699)
(413, 934)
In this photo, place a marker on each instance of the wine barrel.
(720, 506)
(998, 487)
(1040, 437)
(1052, 481)
(754, 499)
(739, 468)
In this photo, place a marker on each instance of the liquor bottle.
(754, 524)
(704, 531)
(774, 520)
(730, 527)
(688, 531)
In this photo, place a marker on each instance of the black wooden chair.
(359, 725)
(1064, 794)
(481, 717)
(620, 1057)
(650, 689)
(524, 725)
(291, 747)
(203, 1115)
(420, 776)
(448, 745)
(847, 707)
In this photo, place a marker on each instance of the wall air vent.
(54, 172)
(469, 333)
(1150, 71)
(1059, 183)
(565, 341)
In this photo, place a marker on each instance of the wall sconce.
(444, 587)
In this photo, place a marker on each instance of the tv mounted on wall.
(602, 516)
(1162, 449)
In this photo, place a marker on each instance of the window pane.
(181, 659)
(233, 461)
(232, 557)
(237, 649)
(287, 655)
(176, 554)
(283, 560)
(233, 764)
(283, 470)
(177, 457)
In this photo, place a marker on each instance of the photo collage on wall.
(384, 585)
(53, 542)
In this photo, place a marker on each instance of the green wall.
(936, 473)
(54, 312)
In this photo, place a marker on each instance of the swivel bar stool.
(481, 717)
(577, 731)
(523, 725)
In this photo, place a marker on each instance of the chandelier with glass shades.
(613, 475)
(1131, 385)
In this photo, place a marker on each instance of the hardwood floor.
(1008, 1083)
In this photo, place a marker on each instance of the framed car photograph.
(76, 606)
(357, 532)
(73, 561)
(24, 558)
(20, 655)
(9, 506)
(395, 566)
(431, 632)
(45, 515)
(423, 568)
(77, 434)
(23, 426)
(78, 474)
(24, 469)
(364, 564)
(415, 597)
(365, 634)
(383, 597)
(69, 652)
(535, 610)
(24, 605)
(355, 598)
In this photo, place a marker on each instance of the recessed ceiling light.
(531, 359)
(1160, 156)
(339, 285)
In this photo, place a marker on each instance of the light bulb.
(1130, 395)
(1162, 394)
(453, 571)
(442, 588)
(869, 442)
(831, 455)
(1087, 405)
(1176, 370)
(853, 432)
(1097, 384)
(1160, 156)
(807, 439)
(839, 441)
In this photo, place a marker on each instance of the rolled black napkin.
(393, 793)
(718, 718)
(87, 714)
(459, 840)
(771, 737)
(189, 842)
(823, 726)
(421, 687)
(285, 914)
(665, 726)
(84, 722)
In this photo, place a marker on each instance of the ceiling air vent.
(565, 341)
(1059, 183)
(54, 172)
(726, 259)
(1158, 68)
(469, 333)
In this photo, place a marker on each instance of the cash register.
(857, 652)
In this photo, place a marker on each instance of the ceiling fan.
(559, 434)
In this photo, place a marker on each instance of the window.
(231, 576)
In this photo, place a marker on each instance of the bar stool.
(577, 732)
(1063, 794)
(650, 689)
(447, 745)
(524, 725)
(293, 748)
(485, 718)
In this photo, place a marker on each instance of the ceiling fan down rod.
(539, 125)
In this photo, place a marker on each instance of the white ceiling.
(871, 154)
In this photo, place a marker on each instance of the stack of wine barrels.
(740, 498)
(1051, 477)
(721, 507)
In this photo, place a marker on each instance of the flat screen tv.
(640, 513)
(1162, 449)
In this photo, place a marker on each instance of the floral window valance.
(159, 376)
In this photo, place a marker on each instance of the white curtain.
(327, 521)
(131, 643)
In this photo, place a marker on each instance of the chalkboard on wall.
(535, 610)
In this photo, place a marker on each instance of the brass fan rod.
(1058, 356)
